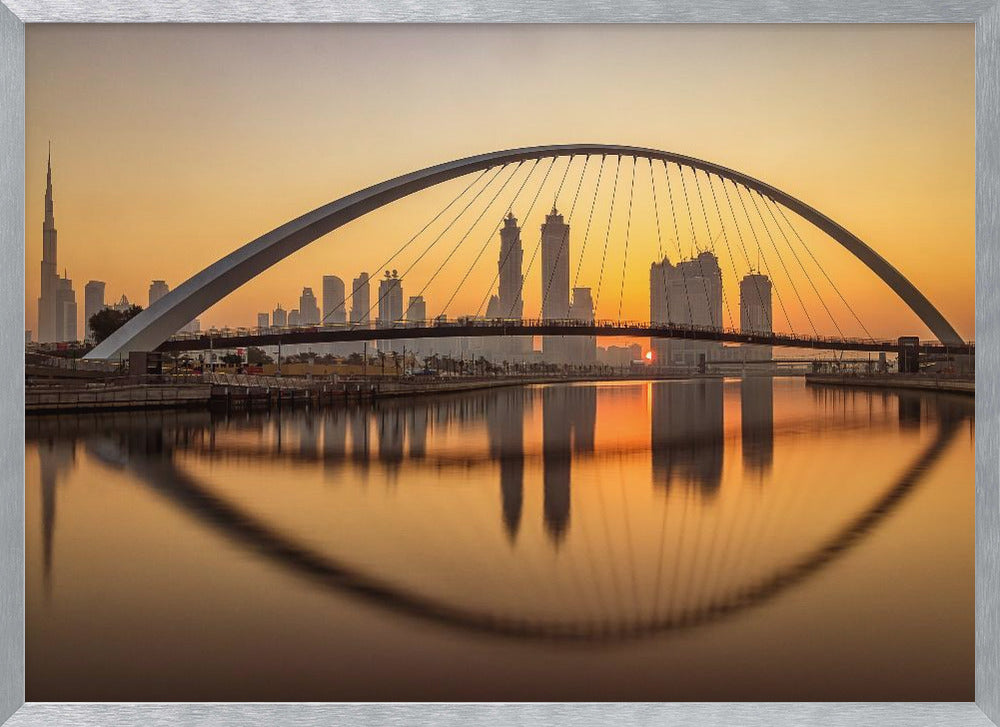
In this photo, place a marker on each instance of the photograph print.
(499, 363)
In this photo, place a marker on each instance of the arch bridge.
(743, 221)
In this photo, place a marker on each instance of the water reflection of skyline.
(519, 519)
(687, 440)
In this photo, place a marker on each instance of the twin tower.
(557, 304)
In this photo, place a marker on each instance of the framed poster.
(525, 372)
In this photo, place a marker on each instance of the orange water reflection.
(668, 540)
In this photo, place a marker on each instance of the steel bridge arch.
(171, 312)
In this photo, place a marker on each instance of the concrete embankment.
(925, 382)
(250, 392)
(39, 400)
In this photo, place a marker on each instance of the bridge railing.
(678, 330)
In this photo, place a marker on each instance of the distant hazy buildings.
(619, 356)
(93, 303)
(334, 312)
(157, 289)
(688, 293)
(263, 320)
(57, 302)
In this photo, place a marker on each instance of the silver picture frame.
(985, 14)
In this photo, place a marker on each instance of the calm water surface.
(687, 540)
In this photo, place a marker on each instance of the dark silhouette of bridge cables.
(772, 205)
(777, 252)
(753, 198)
(482, 214)
(565, 236)
(438, 238)
(388, 261)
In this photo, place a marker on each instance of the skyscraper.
(582, 349)
(308, 308)
(689, 294)
(416, 309)
(65, 310)
(390, 299)
(157, 289)
(263, 320)
(555, 282)
(93, 302)
(390, 307)
(123, 304)
(509, 269)
(294, 317)
(334, 311)
(361, 301)
(755, 311)
(49, 323)
(509, 303)
(279, 318)
(416, 314)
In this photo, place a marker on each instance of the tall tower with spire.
(48, 320)
(57, 302)
(509, 269)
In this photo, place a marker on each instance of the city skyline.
(897, 220)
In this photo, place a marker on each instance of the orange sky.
(173, 145)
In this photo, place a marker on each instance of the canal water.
(683, 540)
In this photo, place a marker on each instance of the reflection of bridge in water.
(687, 450)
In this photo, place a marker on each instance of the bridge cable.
(421, 231)
(503, 261)
(565, 239)
(517, 195)
(777, 291)
(711, 242)
(732, 259)
(479, 254)
(590, 218)
(820, 266)
(796, 256)
(538, 245)
(697, 248)
(659, 239)
(781, 259)
(677, 239)
(520, 292)
(607, 233)
(368, 314)
(628, 232)
(469, 232)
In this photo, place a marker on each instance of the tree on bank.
(107, 321)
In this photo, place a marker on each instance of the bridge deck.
(242, 338)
